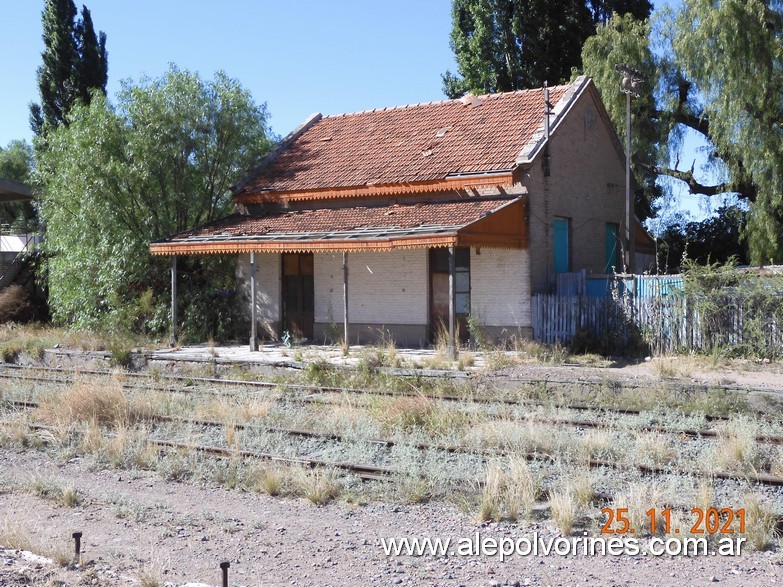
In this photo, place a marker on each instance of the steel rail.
(760, 478)
(342, 390)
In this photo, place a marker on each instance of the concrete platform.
(278, 355)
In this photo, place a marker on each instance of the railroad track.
(371, 472)
(320, 389)
(572, 422)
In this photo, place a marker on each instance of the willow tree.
(118, 177)
(715, 72)
(732, 52)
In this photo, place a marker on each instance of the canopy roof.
(12, 191)
(479, 221)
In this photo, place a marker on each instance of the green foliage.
(503, 45)
(74, 64)
(718, 239)
(16, 163)
(738, 310)
(720, 81)
(737, 70)
(117, 178)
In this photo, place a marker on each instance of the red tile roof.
(422, 142)
(350, 228)
(324, 220)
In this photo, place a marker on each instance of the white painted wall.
(500, 287)
(383, 287)
(16, 243)
(268, 290)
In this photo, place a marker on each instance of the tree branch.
(694, 185)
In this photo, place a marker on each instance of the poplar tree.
(74, 63)
(503, 45)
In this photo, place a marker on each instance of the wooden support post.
(173, 337)
(452, 305)
(345, 299)
(253, 325)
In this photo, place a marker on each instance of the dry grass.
(55, 490)
(151, 574)
(564, 510)
(705, 496)
(127, 448)
(33, 339)
(654, 448)
(18, 433)
(638, 499)
(404, 412)
(597, 443)
(776, 465)
(320, 486)
(520, 437)
(233, 411)
(15, 535)
(93, 401)
(491, 505)
(510, 490)
(737, 448)
(760, 523)
(580, 486)
(270, 481)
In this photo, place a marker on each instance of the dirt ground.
(139, 528)
(183, 532)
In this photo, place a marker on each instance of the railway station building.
(402, 221)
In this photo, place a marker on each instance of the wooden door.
(439, 291)
(298, 294)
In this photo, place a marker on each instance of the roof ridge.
(436, 102)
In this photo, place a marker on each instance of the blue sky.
(298, 56)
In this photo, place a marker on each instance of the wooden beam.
(253, 325)
(503, 179)
(233, 247)
(345, 299)
(174, 334)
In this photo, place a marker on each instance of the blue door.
(562, 245)
(612, 246)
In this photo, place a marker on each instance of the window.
(562, 244)
(612, 246)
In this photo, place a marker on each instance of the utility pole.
(632, 80)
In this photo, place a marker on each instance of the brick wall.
(383, 288)
(500, 289)
(586, 184)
